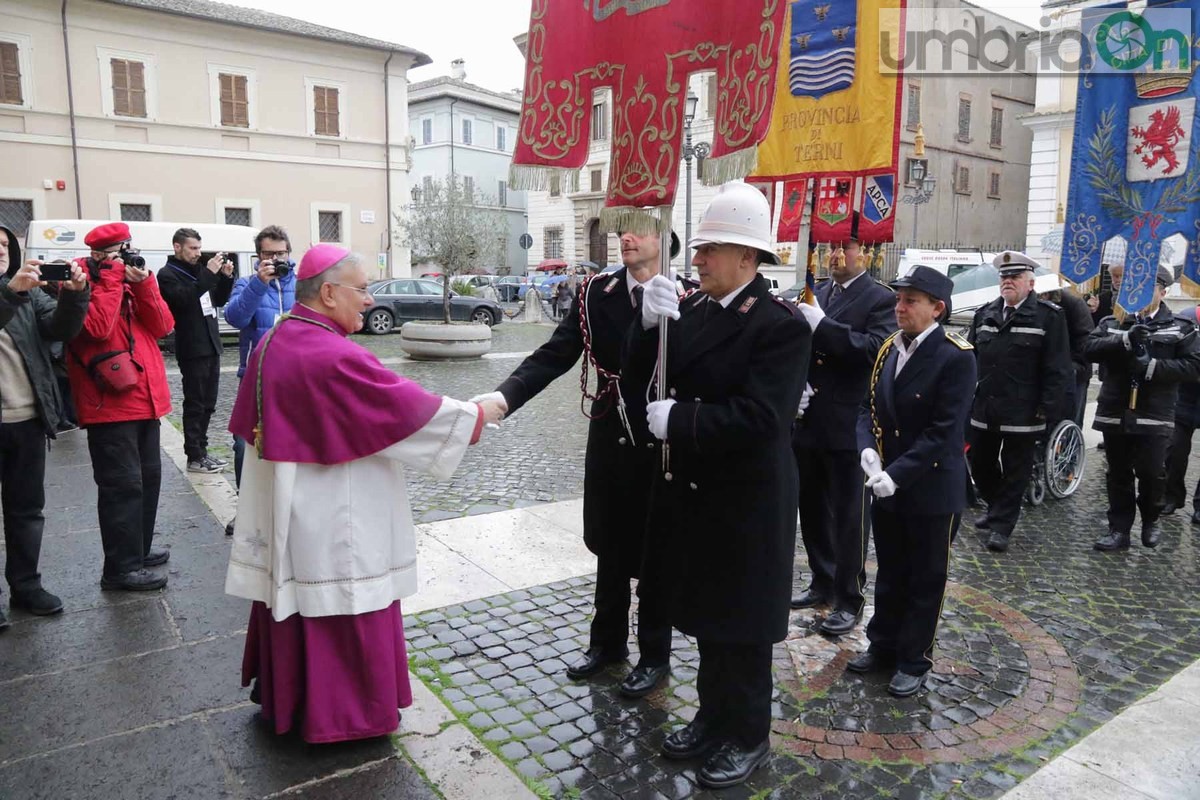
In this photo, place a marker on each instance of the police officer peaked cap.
(1010, 262)
(107, 235)
(929, 281)
(1165, 275)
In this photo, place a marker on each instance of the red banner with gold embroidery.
(643, 51)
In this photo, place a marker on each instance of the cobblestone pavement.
(1037, 647)
(535, 457)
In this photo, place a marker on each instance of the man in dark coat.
(911, 429)
(735, 371)
(1079, 325)
(1143, 360)
(194, 292)
(850, 320)
(1187, 419)
(618, 464)
(1024, 363)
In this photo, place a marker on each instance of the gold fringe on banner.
(1189, 286)
(729, 167)
(642, 221)
(528, 178)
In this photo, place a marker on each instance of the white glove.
(869, 461)
(882, 485)
(659, 299)
(658, 414)
(495, 397)
(812, 313)
(805, 399)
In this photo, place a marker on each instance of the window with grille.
(555, 185)
(426, 131)
(10, 75)
(596, 183)
(994, 185)
(16, 215)
(962, 179)
(502, 138)
(237, 216)
(325, 111)
(468, 187)
(964, 119)
(235, 101)
(552, 243)
(129, 87)
(329, 226)
(599, 122)
(914, 106)
(467, 130)
(135, 212)
(997, 138)
(502, 194)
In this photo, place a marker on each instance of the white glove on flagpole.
(659, 299)
(882, 485)
(869, 461)
(812, 313)
(658, 414)
(805, 399)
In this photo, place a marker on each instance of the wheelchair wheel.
(1035, 493)
(1065, 460)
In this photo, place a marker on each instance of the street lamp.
(923, 183)
(700, 152)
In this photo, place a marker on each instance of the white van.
(51, 239)
(947, 262)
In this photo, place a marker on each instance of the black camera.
(282, 268)
(131, 256)
(58, 271)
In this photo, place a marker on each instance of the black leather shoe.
(1196, 517)
(1169, 508)
(870, 661)
(1113, 540)
(157, 556)
(839, 623)
(808, 599)
(642, 680)
(981, 522)
(997, 542)
(229, 528)
(732, 764)
(594, 661)
(37, 601)
(1151, 534)
(690, 741)
(140, 580)
(905, 685)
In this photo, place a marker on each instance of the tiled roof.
(447, 83)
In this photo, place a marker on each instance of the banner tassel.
(642, 221)
(530, 178)
(731, 166)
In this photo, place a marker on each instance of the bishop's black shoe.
(644, 679)
(691, 741)
(140, 580)
(732, 764)
(594, 661)
(1151, 533)
(1113, 540)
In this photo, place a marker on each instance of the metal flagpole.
(661, 370)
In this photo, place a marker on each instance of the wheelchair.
(1059, 470)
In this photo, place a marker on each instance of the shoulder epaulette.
(1050, 303)
(792, 308)
(958, 341)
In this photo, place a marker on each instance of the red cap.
(107, 235)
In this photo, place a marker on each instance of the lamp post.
(923, 182)
(699, 151)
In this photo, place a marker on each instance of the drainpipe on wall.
(453, 100)
(387, 155)
(71, 111)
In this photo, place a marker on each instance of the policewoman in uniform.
(851, 318)
(911, 430)
(619, 462)
(1142, 360)
(1025, 375)
(735, 370)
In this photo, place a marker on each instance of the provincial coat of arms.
(833, 205)
(1159, 140)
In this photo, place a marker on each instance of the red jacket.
(105, 329)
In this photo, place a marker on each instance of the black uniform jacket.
(1174, 359)
(1024, 366)
(617, 469)
(1187, 407)
(728, 513)
(844, 347)
(181, 284)
(920, 417)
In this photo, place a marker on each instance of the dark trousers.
(1001, 464)
(127, 468)
(734, 685)
(1081, 390)
(67, 411)
(1176, 492)
(1130, 456)
(239, 458)
(834, 524)
(201, 382)
(610, 625)
(23, 496)
(913, 551)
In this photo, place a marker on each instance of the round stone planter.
(435, 341)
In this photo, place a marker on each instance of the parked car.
(406, 299)
(977, 286)
(508, 287)
(540, 282)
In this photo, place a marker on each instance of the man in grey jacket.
(29, 410)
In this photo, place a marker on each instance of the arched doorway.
(597, 244)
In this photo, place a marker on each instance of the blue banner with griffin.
(1135, 164)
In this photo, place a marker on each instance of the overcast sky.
(480, 31)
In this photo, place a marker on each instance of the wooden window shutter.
(129, 88)
(325, 111)
(235, 108)
(10, 74)
(137, 88)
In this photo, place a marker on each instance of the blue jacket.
(254, 306)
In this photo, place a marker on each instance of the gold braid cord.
(876, 371)
(605, 390)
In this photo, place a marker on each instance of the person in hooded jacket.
(29, 412)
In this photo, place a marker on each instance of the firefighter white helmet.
(739, 214)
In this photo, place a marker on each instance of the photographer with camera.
(259, 300)
(194, 292)
(120, 385)
(29, 408)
